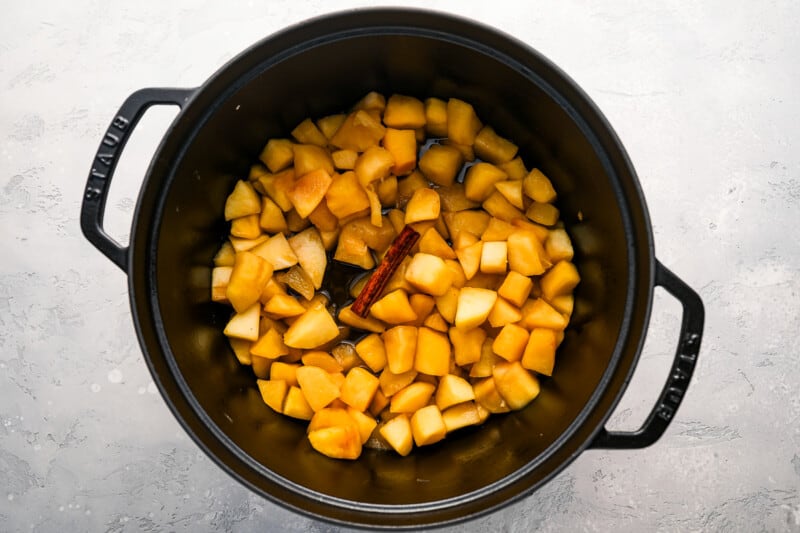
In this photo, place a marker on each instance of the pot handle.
(105, 162)
(680, 374)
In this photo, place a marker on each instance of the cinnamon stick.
(398, 251)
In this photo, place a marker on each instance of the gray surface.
(704, 95)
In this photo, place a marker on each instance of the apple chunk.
(310, 251)
(474, 306)
(312, 329)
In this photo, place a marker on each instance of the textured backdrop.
(704, 96)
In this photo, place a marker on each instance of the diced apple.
(277, 251)
(453, 390)
(310, 158)
(515, 288)
(246, 227)
(497, 206)
(359, 131)
(311, 255)
(474, 306)
(402, 144)
(387, 191)
(242, 201)
(312, 329)
(307, 132)
(298, 280)
(353, 250)
(497, 230)
(344, 159)
(241, 349)
(337, 442)
(220, 276)
(467, 344)
(540, 351)
(480, 181)
(453, 198)
(394, 308)
(422, 304)
(494, 257)
(373, 165)
(515, 168)
(359, 388)
(511, 191)
(539, 314)
(283, 305)
(295, 222)
(400, 343)
(558, 245)
(248, 277)
(406, 188)
(560, 279)
(461, 415)
(427, 426)
(525, 253)
(261, 366)
(271, 219)
(493, 148)
(391, 383)
(423, 205)
(372, 351)
(287, 372)
(538, 187)
(277, 185)
(473, 221)
(397, 433)
(404, 112)
(347, 316)
(225, 256)
(463, 124)
(510, 342)
(429, 274)
(412, 398)
(296, 404)
(433, 243)
(318, 386)
(436, 117)
(515, 384)
(244, 325)
(277, 154)
(436, 322)
(372, 101)
(441, 164)
(273, 392)
(345, 195)
(432, 352)
(323, 360)
(503, 313)
(487, 396)
(270, 345)
(309, 190)
(545, 214)
(447, 304)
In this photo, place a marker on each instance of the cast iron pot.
(321, 67)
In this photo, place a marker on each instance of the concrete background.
(704, 96)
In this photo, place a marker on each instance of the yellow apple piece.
(220, 276)
(344, 159)
(463, 124)
(558, 245)
(261, 366)
(405, 190)
(277, 185)
(277, 251)
(427, 426)
(242, 201)
(366, 424)
(352, 249)
(515, 384)
(497, 206)
(318, 386)
(510, 343)
(515, 168)
(473, 221)
(372, 101)
(311, 255)
(249, 275)
(560, 279)
(270, 345)
(322, 218)
(503, 313)
(447, 304)
(486, 395)
(391, 383)
(283, 305)
(394, 308)
(453, 198)
(563, 303)
(480, 181)
(312, 329)
(359, 131)
(511, 191)
(540, 314)
(453, 390)
(422, 304)
(423, 205)
(307, 132)
(241, 349)
(402, 144)
(296, 404)
(436, 322)
(323, 360)
(347, 316)
(244, 325)
(337, 442)
(493, 148)
(540, 351)
(277, 154)
(436, 117)
(345, 195)
(497, 230)
(273, 392)
(271, 219)
(400, 343)
(441, 164)
(461, 415)
(404, 112)
(545, 214)
(467, 344)
(526, 254)
(470, 258)
(474, 306)
(287, 372)
(246, 227)
(429, 274)
(494, 257)
(397, 432)
(225, 256)
(538, 187)
(515, 288)
(432, 352)
(432, 243)
(328, 125)
(359, 388)
(309, 190)
(412, 398)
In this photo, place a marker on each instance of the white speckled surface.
(704, 96)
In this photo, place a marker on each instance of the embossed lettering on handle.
(105, 161)
(680, 374)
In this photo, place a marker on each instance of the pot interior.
(264, 95)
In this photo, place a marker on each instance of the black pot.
(320, 67)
